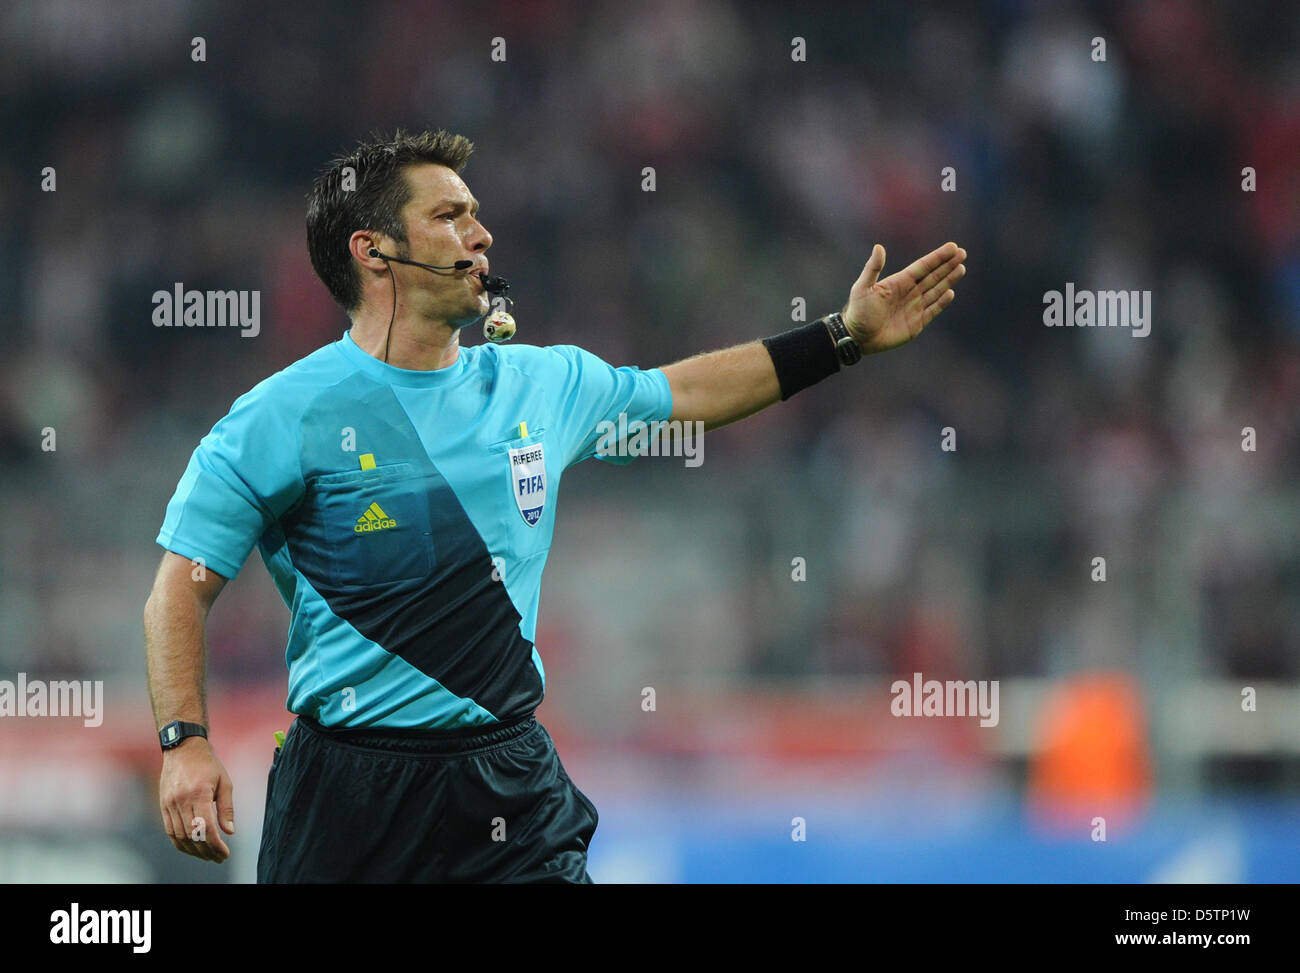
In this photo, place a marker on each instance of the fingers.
(204, 831)
(932, 261)
(943, 289)
(933, 310)
(225, 801)
(179, 832)
(947, 274)
(192, 828)
(197, 831)
(172, 830)
(875, 264)
(939, 293)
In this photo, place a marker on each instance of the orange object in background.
(1092, 757)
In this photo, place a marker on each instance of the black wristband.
(803, 356)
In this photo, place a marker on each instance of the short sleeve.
(596, 398)
(243, 476)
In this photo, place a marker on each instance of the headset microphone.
(500, 324)
(458, 265)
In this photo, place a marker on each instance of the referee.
(402, 491)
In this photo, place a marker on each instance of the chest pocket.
(523, 491)
(378, 524)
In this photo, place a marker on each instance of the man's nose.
(482, 239)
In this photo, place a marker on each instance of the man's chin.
(479, 311)
(470, 316)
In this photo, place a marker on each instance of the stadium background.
(1119, 698)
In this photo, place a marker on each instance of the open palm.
(883, 314)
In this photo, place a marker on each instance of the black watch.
(171, 735)
(845, 347)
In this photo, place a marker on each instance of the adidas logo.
(373, 519)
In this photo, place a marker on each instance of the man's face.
(441, 228)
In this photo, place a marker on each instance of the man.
(402, 490)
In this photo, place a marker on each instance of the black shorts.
(422, 806)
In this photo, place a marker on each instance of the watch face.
(171, 732)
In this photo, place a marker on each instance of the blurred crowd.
(773, 178)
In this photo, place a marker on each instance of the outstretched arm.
(720, 387)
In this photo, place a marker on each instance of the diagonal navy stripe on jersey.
(459, 627)
(424, 589)
(375, 495)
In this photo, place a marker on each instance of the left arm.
(720, 387)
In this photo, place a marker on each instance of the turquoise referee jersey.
(405, 517)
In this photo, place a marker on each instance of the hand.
(887, 313)
(195, 793)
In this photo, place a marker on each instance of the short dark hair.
(381, 190)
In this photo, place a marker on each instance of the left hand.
(883, 314)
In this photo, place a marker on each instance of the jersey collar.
(405, 377)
